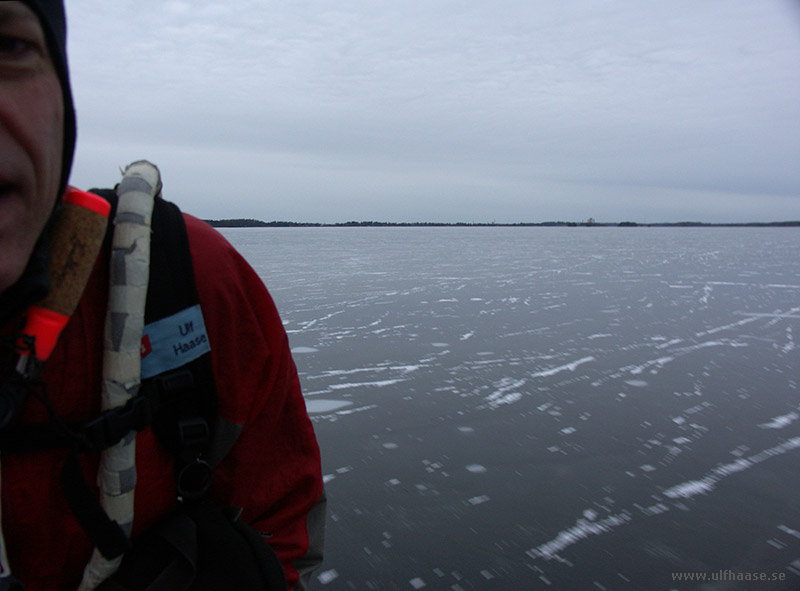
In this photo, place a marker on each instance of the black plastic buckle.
(29, 366)
(110, 427)
(174, 381)
(193, 433)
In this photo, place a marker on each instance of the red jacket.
(273, 471)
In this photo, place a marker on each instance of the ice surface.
(510, 408)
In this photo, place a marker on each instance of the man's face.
(31, 137)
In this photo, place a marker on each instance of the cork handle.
(76, 237)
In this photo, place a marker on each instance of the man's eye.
(15, 48)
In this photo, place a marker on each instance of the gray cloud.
(514, 111)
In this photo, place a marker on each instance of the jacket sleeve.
(273, 469)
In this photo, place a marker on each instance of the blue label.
(172, 342)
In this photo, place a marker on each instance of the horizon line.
(255, 223)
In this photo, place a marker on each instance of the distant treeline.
(251, 223)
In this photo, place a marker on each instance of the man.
(272, 472)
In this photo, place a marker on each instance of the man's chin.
(13, 259)
(8, 276)
(18, 237)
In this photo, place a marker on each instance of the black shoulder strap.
(185, 427)
(171, 287)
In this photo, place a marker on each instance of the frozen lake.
(548, 408)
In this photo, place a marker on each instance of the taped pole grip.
(76, 237)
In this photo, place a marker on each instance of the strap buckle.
(113, 425)
(193, 433)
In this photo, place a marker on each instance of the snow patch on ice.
(505, 399)
(727, 326)
(709, 481)
(669, 343)
(789, 346)
(790, 531)
(781, 421)
(505, 392)
(706, 294)
(379, 384)
(660, 362)
(567, 367)
(318, 405)
(327, 576)
(476, 468)
(582, 529)
(406, 368)
(346, 372)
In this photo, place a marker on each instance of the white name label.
(174, 341)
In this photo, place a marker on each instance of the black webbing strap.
(106, 535)
(90, 437)
(10, 583)
(185, 427)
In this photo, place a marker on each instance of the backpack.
(200, 545)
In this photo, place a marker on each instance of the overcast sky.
(444, 110)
